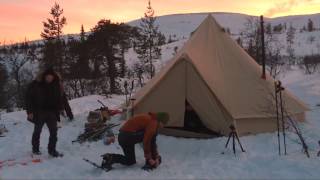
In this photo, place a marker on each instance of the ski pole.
(277, 110)
(283, 120)
(101, 103)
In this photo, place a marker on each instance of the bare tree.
(251, 41)
(311, 63)
(15, 58)
(250, 38)
(274, 59)
(290, 42)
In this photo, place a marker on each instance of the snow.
(182, 25)
(182, 158)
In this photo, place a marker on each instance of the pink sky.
(20, 19)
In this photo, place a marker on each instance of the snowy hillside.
(182, 158)
(181, 25)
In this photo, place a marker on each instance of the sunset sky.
(20, 19)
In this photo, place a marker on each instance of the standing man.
(44, 101)
(140, 128)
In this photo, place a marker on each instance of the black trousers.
(50, 119)
(127, 141)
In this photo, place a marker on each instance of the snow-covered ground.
(182, 158)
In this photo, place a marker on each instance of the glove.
(158, 160)
(71, 117)
(150, 165)
(62, 113)
(30, 118)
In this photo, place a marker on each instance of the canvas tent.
(221, 82)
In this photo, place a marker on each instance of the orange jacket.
(147, 123)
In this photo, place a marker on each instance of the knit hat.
(163, 117)
(49, 71)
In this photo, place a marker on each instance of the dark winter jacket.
(42, 96)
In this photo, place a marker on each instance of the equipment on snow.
(96, 165)
(98, 116)
(101, 115)
(94, 134)
(234, 135)
(97, 126)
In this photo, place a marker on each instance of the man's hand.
(70, 117)
(152, 162)
(158, 160)
(150, 165)
(30, 117)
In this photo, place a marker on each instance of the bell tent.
(220, 82)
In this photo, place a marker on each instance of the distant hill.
(183, 24)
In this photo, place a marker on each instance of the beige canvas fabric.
(221, 82)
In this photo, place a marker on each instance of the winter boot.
(107, 161)
(55, 154)
(36, 152)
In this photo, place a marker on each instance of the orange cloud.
(23, 18)
(284, 7)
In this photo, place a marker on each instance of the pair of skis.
(23, 161)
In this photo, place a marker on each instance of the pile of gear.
(97, 126)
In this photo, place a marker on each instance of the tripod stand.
(234, 135)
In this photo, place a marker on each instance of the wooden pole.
(263, 49)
